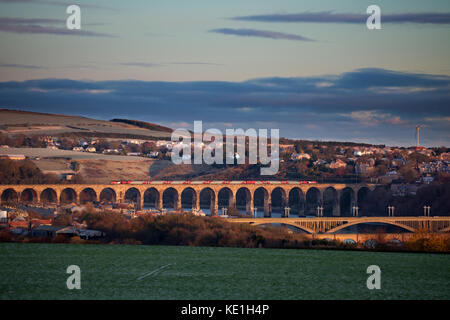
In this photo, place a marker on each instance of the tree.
(409, 174)
(75, 166)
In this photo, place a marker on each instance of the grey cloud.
(331, 17)
(140, 64)
(260, 34)
(21, 66)
(41, 26)
(55, 3)
(300, 106)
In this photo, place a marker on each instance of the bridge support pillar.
(215, 206)
(141, 203)
(159, 203)
(336, 210)
(197, 203)
(250, 207)
(267, 209)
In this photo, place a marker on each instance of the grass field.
(38, 271)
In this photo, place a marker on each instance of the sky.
(309, 68)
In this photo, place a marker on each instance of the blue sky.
(259, 63)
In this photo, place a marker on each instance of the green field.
(38, 271)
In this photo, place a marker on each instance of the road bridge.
(331, 225)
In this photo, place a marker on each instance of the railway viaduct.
(303, 199)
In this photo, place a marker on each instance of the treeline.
(26, 172)
(145, 125)
(189, 230)
(21, 140)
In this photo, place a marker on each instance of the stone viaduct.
(301, 198)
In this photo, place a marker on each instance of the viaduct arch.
(302, 199)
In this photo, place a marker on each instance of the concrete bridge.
(301, 198)
(332, 225)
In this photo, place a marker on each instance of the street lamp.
(319, 211)
(426, 210)
(355, 211)
(286, 211)
(391, 211)
(255, 211)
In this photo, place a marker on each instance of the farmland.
(38, 271)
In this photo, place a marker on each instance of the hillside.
(28, 123)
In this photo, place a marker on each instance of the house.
(403, 189)
(397, 162)
(338, 164)
(68, 232)
(15, 157)
(427, 179)
(359, 153)
(300, 156)
(41, 222)
(45, 231)
(89, 234)
(363, 168)
(153, 154)
(161, 143)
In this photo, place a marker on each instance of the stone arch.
(362, 195)
(207, 198)
(313, 199)
(297, 201)
(278, 201)
(170, 198)
(49, 195)
(133, 195)
(29, 195)
(87, 195)
(152, 198)
(244, 200)
(188, 198)
(68, 195)
(10, 196)
(261, 201)
(347, 201)
(330, 202)
(225, 198)
(108, 195)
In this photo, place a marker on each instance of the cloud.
(140, 64)
(331, 17)
(349, 107)
(8, 20)
(21, 66)
(373, 118)
(55, 3)
(163, 64)
(43, 26)
(196, 63)
(260, 34)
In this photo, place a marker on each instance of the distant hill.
(145, 125)
(30, 123)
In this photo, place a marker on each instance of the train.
(211, 182)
